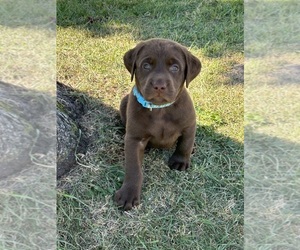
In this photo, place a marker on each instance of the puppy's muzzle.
(159, 84)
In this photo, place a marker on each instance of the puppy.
(158, 112)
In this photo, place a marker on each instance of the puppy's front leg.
(128, 195)
(180, 160)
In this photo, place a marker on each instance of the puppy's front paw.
(128, 196)
(178, 162)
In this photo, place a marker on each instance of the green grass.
(198, 209)
(28, 44)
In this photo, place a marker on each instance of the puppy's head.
(160, 68)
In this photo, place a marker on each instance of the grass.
(198, 209)
(272, 125)
(28, 44)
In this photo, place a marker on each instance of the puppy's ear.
(193, 67)
(130, 59)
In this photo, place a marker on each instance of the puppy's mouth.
(158, 98)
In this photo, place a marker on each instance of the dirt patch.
(236, 75)
(288, 74)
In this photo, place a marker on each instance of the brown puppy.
(158, 112)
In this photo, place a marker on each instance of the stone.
(24, 127)
(69, 110)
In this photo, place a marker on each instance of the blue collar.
(147, 104)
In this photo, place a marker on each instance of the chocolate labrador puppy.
(158, 112)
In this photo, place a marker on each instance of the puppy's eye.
(174, 68)
(146, 66)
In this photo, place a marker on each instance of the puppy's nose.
(159, 85)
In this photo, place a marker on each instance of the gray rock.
(28, 127)
(68, 135)
(69, 110)
(24, 127)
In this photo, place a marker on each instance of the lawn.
(198, 209)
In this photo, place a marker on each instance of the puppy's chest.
(163, 131)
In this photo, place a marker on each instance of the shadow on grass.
(29, 14)
(206, 24)
(271, 192)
